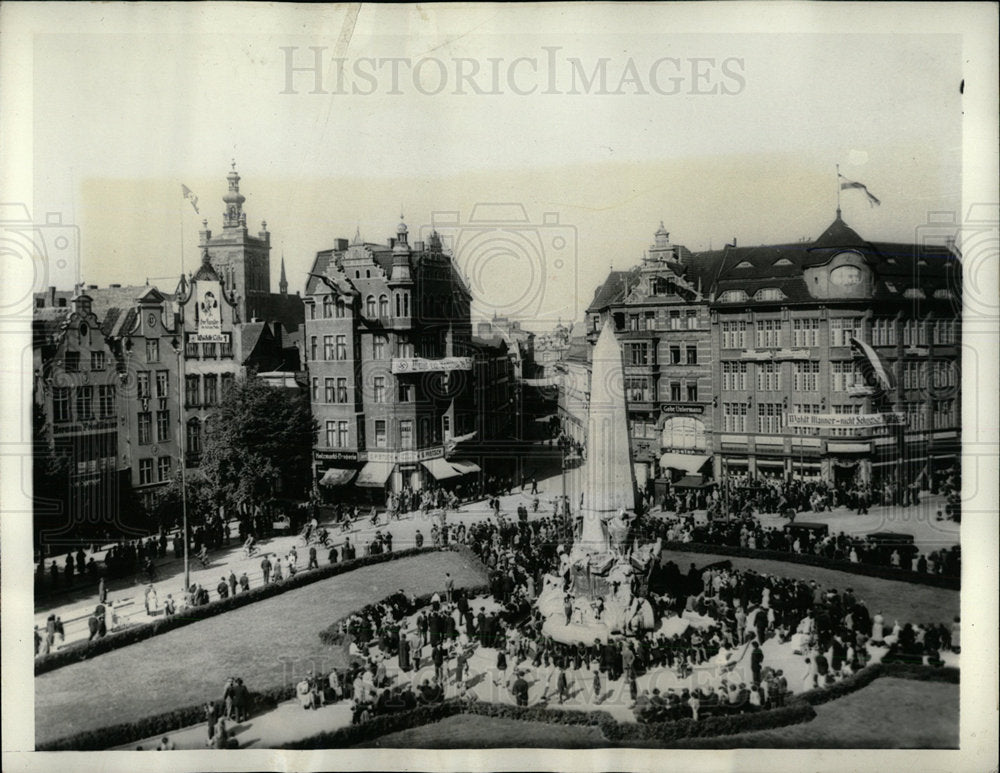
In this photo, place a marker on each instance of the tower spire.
(234, 215)
(283, 282)
(838, 191)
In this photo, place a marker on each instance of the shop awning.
(465, 468)
(337, 476)
(692, 481)
(440, 469)
(374, 474)
(685, 462)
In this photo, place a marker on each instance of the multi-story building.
(77, 415)
(389, 354)
(837, 359)
(660, 315)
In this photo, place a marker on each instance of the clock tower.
(242, 261)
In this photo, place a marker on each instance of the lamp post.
(178, 346)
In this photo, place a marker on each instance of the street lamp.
(178, 347)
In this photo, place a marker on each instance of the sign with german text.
(208, 296)
(421, 365)
(846, 419)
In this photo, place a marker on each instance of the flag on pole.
(189, 195)
(875, 364)
(846, 184)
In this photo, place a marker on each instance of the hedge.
(869, 674)
(868, 570)
(80, 651)
(352, 735)
(158, 724)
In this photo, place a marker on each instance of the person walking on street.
(265, 567)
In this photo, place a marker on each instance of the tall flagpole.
(838, 191)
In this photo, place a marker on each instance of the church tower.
(242, 261)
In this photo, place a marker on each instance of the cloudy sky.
(595, 127)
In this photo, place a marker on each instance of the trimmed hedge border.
(867, 570)
(80, 651)
(869, 674)
(157, 724)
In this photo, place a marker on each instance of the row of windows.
(145, 427)
(144, 379)
(71, 361)
(337, 433)
(63, 399)
(639, 390)
(661, 319)
(163, 465)
(205, 390)
(806, 332)
(208, 351)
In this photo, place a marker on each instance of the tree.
(260, 436)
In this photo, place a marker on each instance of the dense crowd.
(864, 549)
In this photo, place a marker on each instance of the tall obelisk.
(610, 480)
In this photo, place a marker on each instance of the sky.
(720, 135)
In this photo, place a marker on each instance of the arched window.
(399, 306)
(370, 306)
(383, 306)
(341, 308)
(406, 304)
(327, 306)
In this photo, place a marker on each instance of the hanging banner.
(421, 365)
(845, 419)
(208, 296)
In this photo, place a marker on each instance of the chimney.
(340, 244)
(114, 286)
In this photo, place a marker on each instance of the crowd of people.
(864, 549)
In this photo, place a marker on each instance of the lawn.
(467, 731)
(889, 713)
(903, 601)
(268, 643)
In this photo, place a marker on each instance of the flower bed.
(80, 651)
(868, 570)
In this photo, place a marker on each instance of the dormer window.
(769, 294)
(733, 296)
(943, 294)
(744, 264)
(913, 292)
(782, 262)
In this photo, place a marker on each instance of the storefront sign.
(845, 419)
(682, 408)
(340, 456)
(421, 365)
(401, 457)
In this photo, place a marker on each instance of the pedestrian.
(313, 561)
(449, 586)
(265, 567)
(244, 582)
(278, 576)
(418, 539)
(223, 588)
(210, 716)
(562, 683)
(233, 583)
(102, 592)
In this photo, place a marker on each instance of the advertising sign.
(208, 296)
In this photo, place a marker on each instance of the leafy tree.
(201, 499)
(260, 438)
